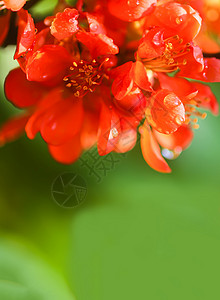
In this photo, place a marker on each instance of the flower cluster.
(105, 72)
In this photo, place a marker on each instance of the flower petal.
(131, 10)
(152, 44)
(62, 121)
(165, 112)
(21, 92)
(14, 5)
(95, 25)
(123, 82)
(65, 24)
(140, 76)
(179, 86)
(98, 44)
(176, 19)
(180, 139)
(127, 138)
(109, 130)
(88, 136)
(26, 33)
(151, 150)
(68, 152)
(206, 98)
(13, 128)
(49, 63)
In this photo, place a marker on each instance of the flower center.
(192, 113)
(172, 57)
(83, 77)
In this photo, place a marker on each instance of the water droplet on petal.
(171, 154)
(179, 120)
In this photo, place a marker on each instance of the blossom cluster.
(106, 71)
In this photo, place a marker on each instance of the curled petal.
(13, 128)
(131, 10)
(140, 76)
(67, 153)
(14, 5)
(211, 71)
(26, 33)
(48, 63)
(151, 150)
(65, 24)
(176, 19)
(152, 44)
(128, 77)
(178, 140)
(165, 112)
(21, 92)
(193, 62)
(98, 44)
(123, 82)
(133, 104)
(127, 138)
(34, 123)
(205, 98)
(109, 130)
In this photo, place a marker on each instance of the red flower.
(75, 94)
(57, 86)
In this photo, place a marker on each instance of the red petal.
(206, 98)
(211, 71)
(134, 104)
(65, 24)
(95, 25)
(48, 63)
(193, 62)
(151, 150)
(109, 130)
(98, 44)
(152, 44)
(34, 123)
(26, 33)
(68, 152)
(4, 26)
(127, 138)
(177, 19)
(131, 10)
(61, 121)
(14, 5)
(166, 112)
(180, 139)
(140, 76)
(13, 128)
(89, 130)
(123, 82)
(21, 92)
(179, 86)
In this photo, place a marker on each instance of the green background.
(138, 235)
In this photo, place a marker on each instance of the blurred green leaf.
(24, 274)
